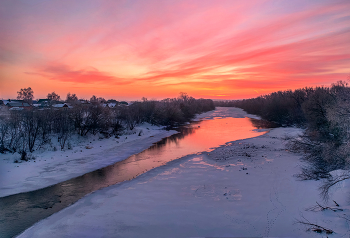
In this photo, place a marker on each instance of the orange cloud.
(89, 75)
(154, 48)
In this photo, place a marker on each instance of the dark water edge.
(20, 211)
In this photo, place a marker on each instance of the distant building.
(112, 101)
(62, 106)
(123, 103)
(110, 105)
(18, 105)
(44, 100)
(12, 100)
(41, 103)
(83, 101)
(45, 103)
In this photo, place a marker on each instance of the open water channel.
(20, 211)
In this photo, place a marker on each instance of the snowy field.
(87, 154)
(245, 188)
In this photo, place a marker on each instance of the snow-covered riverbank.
(245, 188)
(87, 154)
(53, 166)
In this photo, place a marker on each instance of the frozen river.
(20, 211)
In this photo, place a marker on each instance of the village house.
(62, 106)
(16, 104)
(110, 105)
(45, 103)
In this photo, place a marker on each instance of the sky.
(129, 49)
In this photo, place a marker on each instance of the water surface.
(20, 211)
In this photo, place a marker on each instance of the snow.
(87, 154)
(243, 188)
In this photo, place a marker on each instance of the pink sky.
(132, 49)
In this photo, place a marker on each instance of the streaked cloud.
(234, 48)
(89, 75)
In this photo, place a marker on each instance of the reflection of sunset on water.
(200, 136)
(219, 132)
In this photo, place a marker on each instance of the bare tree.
(320, 207)
(332, 181)
(53, 96)
(314, 227)
(16, 131)
(339, 117)
(65, 128)
(4, 130)
(97, 100)
(131, 115)
(183, 96)
(97, 118)
(93, 99)
(31, 125)
(101, 100)
(26, 94)
(79, 117)
(72, 98)
(46, 120)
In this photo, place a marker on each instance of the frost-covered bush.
(323, 111)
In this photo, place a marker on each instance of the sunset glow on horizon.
(127, 50)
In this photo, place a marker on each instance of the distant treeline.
(24, 131)
(323, 111)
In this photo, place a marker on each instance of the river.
(21, 211)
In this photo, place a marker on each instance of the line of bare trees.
(323, 111)
(26, 130)
(169, 112)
